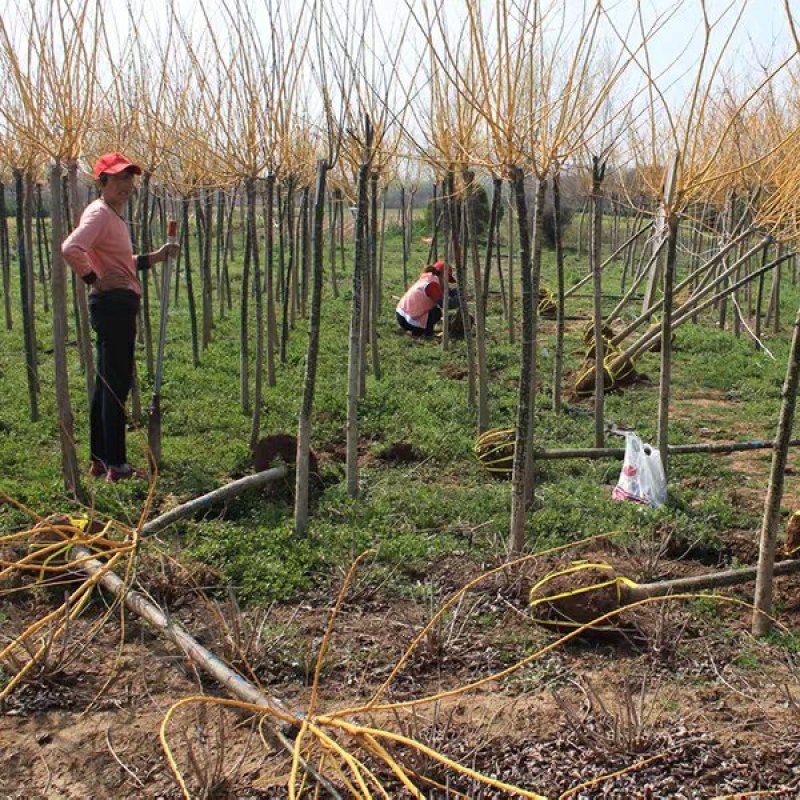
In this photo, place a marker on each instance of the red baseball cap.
(113, 164)
(440, 265)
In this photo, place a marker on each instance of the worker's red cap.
(440, 265)
(113, 164)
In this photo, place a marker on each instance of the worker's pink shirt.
(102, 244)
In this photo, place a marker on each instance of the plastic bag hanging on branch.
(642, 478)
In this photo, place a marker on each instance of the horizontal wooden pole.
(713, 580)
(216, 496)
(543, 454)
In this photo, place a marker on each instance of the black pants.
(113, 317)
(434, 315)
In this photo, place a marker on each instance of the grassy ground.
(442, 500)
(715, 709)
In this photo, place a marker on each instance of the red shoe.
(124, 473)
(97, 469)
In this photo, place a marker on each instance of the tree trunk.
(366, 303)
(342, 254)
(187, 263)
(772, 503)
(354, 356)
(461, 278)
(84, 328)
(492, 238)
(66, 430)
(244, 326)
(403, 234)
(207, 285)
(434, 225)
(558, 359)
(292, 267)
(228, 251)
(580, 228)
(511, 321)
(28, 330)
(537, 220)
(40, 247)
(527, 378)
(760, 296)
(373, 278)
(382, 234)
(287, 255)
(666, 340)
(480, 305)
(154, 415)
(598, 173)
(306, 250)
(27, 209)
(304, 427)
(218, 247)
(258, 375)
(5, 257)
(333, 210)
(269, 275)
(143, 246)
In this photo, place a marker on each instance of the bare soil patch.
(717, 712)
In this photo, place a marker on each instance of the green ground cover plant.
(440, 502)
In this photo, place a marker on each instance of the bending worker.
(99, 251)
(420, 308)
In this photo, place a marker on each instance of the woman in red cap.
(99, 251)
(420, 308)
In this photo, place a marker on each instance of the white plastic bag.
(642, 477)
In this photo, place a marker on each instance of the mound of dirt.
(569, 598)
(280, 448)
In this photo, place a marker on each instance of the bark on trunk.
(480, 306)
(187, 263)
(354, 357)
(511, 322)
(84, 328)
(258, 375)
(28, 329)
(333, 211)
(558, 358)
(208, 296)
(374, 282)
(66, 430)
(598, 173)
(302, 476)
(666, 341)
(5, 258)
(269, 275)
(492, 239)
(527, 379)
(306, 251)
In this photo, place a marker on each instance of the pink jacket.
(415, 304)
(102, 244)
